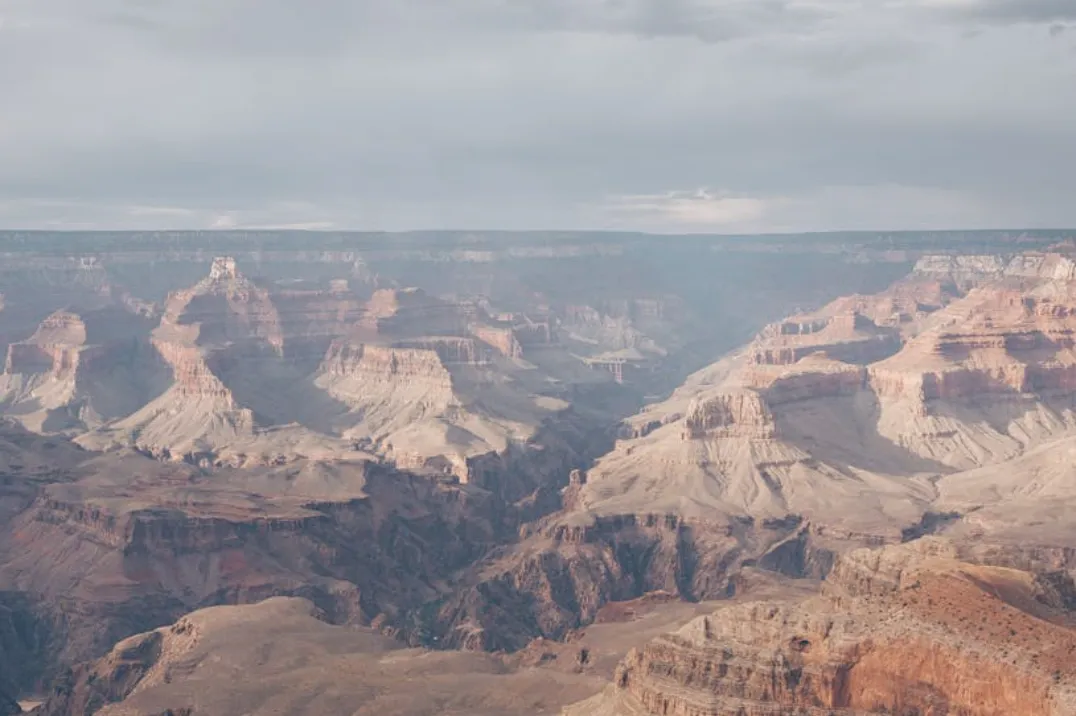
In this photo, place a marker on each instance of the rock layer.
(903, 630)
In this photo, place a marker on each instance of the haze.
(724, 116)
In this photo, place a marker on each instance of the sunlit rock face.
(899, 630)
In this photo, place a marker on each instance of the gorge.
(588, 472)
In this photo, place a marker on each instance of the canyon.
(907, 629)
(506, 465)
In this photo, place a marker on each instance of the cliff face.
(23, 645)
(902, 630)
(974, 270)
(372, 550)
(641, 324)
(348, 360)
(241, 354)
(952, 382)
(560, 575)
(740, 413)
(262, 374)
(847, 337)
(409, 313)
(832, 430)
(501, 338)
(79, 370)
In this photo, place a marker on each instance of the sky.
(723, 116)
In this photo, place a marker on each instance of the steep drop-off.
(908, 630)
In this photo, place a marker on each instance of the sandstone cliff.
(825, 409)
(903, 630)
(134, 543)
(845, 427)
(238, 392)
(80, 370)
(501, 378)
(263, 374)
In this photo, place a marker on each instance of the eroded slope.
(907, 629)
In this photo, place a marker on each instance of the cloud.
(1018, 11)
(326, 26)
(705, 20)
(1005, 12)
(529, 113)
(862, 208)
(696, 210)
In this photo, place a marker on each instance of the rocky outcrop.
(80, 369)
(741, 413)
(964, 270)
(191, 371)
(24, 647)
(1005, 342)
(444, 385)
(223, 307)
(814, 379)
(311, 319)
(974, 270)
(388, 363)
(846, 337)
(617, 327)
(534, 332)
(53, 348)
(106, 572)
(901, 630)
(502, 338)
(563, 572)
(409, 313)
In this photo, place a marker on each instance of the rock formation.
(854, 425)
(466, 466)
(237, 367)
(80, 370)
(127, 543)
(906, 629)
(278, 657)
(262, 374)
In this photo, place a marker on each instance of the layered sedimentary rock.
(847, 337)
(902, 630)
(279, 657)
(236, 368)
(731, 413)
(134, 543)
(409, 313)
(642, 329)
(562, 573)
(974, 270)
(977, 380)
(428, 385)
(813, 426)
(839, 453)
(781, 456)
(311, 319)
(989, 377)
(263, 374)
(80, 370)
(502, 338)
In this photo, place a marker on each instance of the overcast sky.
(665, 115)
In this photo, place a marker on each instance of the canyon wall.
(903, 630)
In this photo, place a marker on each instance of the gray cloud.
(284, 26)
(530, 113)
(1019, 11)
